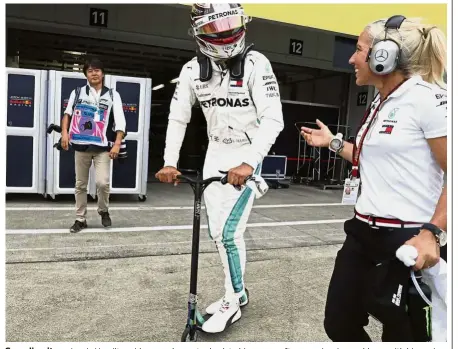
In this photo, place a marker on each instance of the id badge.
(350, 192)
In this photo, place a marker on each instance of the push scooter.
(195, 319)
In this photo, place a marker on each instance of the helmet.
(219, 29)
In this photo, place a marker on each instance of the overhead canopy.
(346, 18)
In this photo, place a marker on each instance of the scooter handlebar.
(181, 177)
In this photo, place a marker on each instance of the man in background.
(94, 124)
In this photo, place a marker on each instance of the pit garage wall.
(167, 25)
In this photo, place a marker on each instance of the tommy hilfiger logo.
(236, 83)
(387, 129)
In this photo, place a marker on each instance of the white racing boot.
(214, 307)
(228, 313)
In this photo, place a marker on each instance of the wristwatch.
(441, 235)
(336, 144)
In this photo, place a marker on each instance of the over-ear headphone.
(384, 55)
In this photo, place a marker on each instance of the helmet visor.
(221, 25)
(223, 38)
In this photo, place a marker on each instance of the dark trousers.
(346, 313)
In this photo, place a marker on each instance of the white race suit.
(244, 118)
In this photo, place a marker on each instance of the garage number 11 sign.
(98, 17)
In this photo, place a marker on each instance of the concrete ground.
(130, 283)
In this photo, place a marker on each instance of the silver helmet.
(219, 29)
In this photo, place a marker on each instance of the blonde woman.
(399, 160)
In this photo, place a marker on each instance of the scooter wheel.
(186, 336)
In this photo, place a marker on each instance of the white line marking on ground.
(168, 243)
(164, 227)
(153, 208)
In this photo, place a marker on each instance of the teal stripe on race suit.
(228, 237)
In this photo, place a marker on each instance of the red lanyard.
(357, 150)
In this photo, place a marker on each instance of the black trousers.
(346, 313)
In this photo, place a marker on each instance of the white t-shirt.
(400, 177)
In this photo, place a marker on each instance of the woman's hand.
(317, 137)
(428, 250)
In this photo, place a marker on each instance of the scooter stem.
(192, 305)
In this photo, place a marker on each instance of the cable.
(417, 286)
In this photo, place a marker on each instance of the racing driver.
(239, 96)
